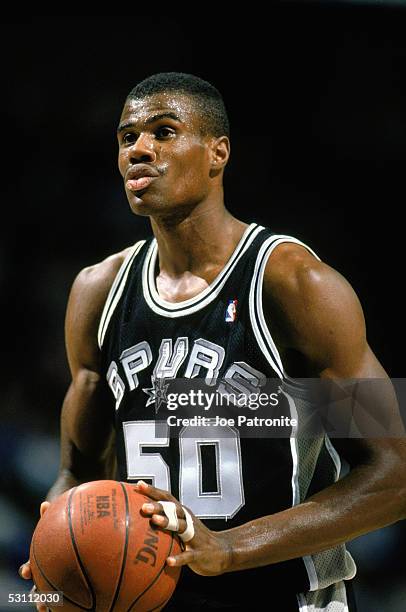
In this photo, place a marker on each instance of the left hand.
(208, 553)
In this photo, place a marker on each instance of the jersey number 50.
(225, 502)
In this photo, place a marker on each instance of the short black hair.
(207, 98)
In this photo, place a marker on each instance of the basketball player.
(273, 526)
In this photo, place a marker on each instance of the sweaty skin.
(313, 314)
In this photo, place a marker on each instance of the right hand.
(25, 569)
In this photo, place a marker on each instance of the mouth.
(140, 177)
(138, 184)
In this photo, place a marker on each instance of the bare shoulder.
(294, 273)
(313, 309)
(94, 282)
(85, 306)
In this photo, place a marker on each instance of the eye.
(129, 138)
(164, 132)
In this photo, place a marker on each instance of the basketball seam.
(127, 529)
(54, 585)
(75, 548)
(155, 579)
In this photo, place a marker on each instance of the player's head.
(206, 99)
(174, 126)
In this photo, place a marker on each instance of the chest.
(181, 288)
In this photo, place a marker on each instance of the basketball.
(95, 546)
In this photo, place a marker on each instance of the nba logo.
(231, 312)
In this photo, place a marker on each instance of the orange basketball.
(95, 546)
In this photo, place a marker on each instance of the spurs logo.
(205, 360)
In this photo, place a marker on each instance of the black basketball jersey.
(218, 334)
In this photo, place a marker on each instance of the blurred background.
(316, 93)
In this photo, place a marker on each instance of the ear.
(220, 152)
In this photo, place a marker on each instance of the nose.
(142, 150)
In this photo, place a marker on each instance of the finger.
(153, 492)
(183, 559)
(44, 507)
(162, 522)
(151, 508)
(25, 571)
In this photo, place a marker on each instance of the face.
(163, 158)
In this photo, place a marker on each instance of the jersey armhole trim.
(271, 353)
(259, 326)
(296, 497)
(335, 457)
(116, 291)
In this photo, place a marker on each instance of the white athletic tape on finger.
(190, 528)
(171, 514)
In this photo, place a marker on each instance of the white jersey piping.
(179, 309)
(116, 291)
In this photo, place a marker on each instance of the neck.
(199, 242)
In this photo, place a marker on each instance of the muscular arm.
(319, 317)
(86, 420)
(323, 321)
